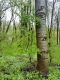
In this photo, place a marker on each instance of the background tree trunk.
(51, 26)
(57, 30)
(0, 17)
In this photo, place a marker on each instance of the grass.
(10, 69)
(55, 49)
(14, 56)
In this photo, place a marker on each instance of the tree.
(3, 7)
(42, 54)
(57, 20)
(51, 26)
(0, 16)
(59, 23)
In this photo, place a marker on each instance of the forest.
(29, 39)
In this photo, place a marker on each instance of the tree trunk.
(51, 26)
(42, 54)
(57, 31)
(0, 17)
(59, 35)
(0, 23)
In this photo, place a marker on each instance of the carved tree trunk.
(42, 54)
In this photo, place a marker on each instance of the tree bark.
(57, 31)
(42, 54)
(0, 17)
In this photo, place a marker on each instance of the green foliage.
(38, 21)
(10, 68)
(12, 48)
(17, 43)
(54, 49)
(17, 48)
(54, 74)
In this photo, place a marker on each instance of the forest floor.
(15, 66)
(20, 68)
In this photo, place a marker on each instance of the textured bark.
(42, 54)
